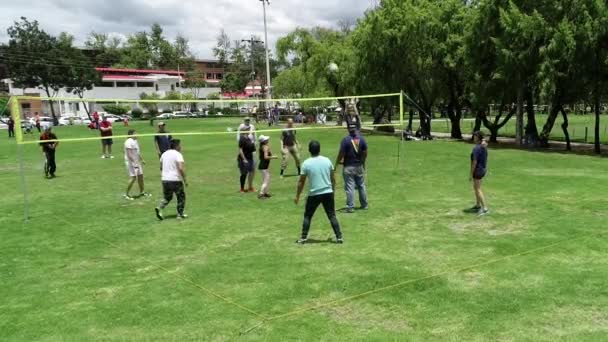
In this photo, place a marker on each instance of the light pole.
(268, 86)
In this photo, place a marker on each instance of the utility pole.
(252, 43)
(268, 86)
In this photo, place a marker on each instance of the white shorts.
(134, 172)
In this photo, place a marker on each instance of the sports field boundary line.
(212, 133)
(411, 281)
(168, 272)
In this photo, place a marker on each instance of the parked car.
(181, 115)
(45, 121)
(113, 118)
(244, 110)
(165, 116)
(71, 120)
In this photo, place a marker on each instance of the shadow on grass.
(314, 241)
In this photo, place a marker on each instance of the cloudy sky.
(199, 20)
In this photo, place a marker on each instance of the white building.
(115, 84)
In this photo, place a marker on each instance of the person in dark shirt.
(245, 161)
(353, 154)
(162, 141)
(11, 127)
(479, 167)
(49, 148)
(289, 145)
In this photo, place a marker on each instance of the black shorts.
(107, 142)
(479, 174)
(246, 168)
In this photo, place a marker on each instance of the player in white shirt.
(246, 126)
(134, 163)
(173, 178)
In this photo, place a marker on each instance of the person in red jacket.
(106, 143)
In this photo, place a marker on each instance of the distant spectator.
(11, 127)
(37, 121)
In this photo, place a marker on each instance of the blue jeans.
(354, 177)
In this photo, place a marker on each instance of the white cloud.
(200, 21)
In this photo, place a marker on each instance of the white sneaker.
(129, 198)
(103, 157)
(111, 157)
(182, 216)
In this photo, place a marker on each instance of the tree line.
(457, 55)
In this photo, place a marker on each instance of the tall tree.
(29, 65)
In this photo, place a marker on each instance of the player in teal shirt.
(320, 171)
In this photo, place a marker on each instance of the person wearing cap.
(265, 158)
(245, 161)
(247, 127)
(105, 127)
(134, 163)
(162, 139)
(320, 173)
(353, 154)
(479, 164)
(289, 145)
(49, 148)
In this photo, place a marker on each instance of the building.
(212, 69)
(115, 84)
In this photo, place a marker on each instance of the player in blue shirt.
(320, 171)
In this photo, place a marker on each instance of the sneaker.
(243, 191)
(262, 197)
(159, 214)
(103, 157)
(340, 241)
(128, 198)
(301, 241)
(251, 189)
(145, 194)
(182, 216)
(483, 212)
(349, 210)
(111, 157)
(267, 195)
(364, 208)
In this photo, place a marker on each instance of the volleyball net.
(366, 111)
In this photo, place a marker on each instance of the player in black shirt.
(245, 161)
(48, 148)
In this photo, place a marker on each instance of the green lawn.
(92, 266)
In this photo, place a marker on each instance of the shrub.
(137, 113)
(116, 109)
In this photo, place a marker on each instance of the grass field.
(92, 266)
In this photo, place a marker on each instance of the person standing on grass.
(248, 128)
(479, 164)
(37, 121)
(49, 148)
(11, 127)
(245, 161)
(105, 127)
(134, 163)
(96, 120)
(353, 154)
(320, 171)
(289, 145)
(162, 139)
(173, 180)
(265, 157)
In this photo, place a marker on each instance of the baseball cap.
(247, 119)
(162, 123)
(264, 138)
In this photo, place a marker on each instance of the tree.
(28, 59)
(108, 50)
(81, 76)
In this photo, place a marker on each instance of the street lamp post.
(268, 86)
